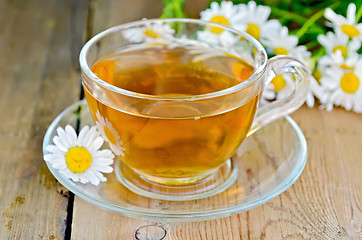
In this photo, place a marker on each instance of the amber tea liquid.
(172, 147)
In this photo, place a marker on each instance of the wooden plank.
(109, 13)
(325, 203)
(37, 83)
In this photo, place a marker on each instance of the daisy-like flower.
(186, 42)
(156, 31)
(336, 60)
(79, 157)
(280, 87)
(315, 91)
(109, 134)
(346, 25)
(283, 84)
(338, 41)
(225, 38)
(234, 49)
(280, 43)
(344, 86)
(255, 22)
(225, 13)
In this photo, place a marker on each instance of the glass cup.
(177, 143)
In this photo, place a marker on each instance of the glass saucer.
(269, 162)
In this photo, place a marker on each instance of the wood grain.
(37, 83)
(109, 13)
(325, 203)
(39, 44)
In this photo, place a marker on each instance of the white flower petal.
(89, 137)
(71, 135)
(82, 135)
(82, 180)
(329, 107)
(104, 161)
(59, 144)
(48, 157)
(333, 17)
(53, 149)
(96, 144)
(351, 13)
(269, 94)
(310, 100)
(53, 158)
(118, 150)
(102, 168)
(93, 179)
(63, 137)
(104, 153)
(99, 176)
(59, 165)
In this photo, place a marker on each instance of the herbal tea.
(149, 138)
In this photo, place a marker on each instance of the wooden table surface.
(39, 77)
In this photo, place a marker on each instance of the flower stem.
(288, 15)
(359, 14)
(312, 20)
(173, 9)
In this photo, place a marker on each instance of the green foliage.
(173, 9)
(304, 18)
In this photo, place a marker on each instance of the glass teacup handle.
(285, 106)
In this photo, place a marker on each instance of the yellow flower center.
(317, 75)
(349, 30)
(221, 20)
(343, 50)
(156, 44)
(280, 51)
(78, 159)
(278, 82)
(346, 67)
(111, 138)
(150, 33)
(253, 30)
(349, 83)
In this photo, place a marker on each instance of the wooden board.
(37, 82)
(325, 203)
(39, 44)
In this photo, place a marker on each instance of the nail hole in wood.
(150, 232)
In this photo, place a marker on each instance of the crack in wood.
(78, 40)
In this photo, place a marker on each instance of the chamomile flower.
(186, 42)
(338, 41)
(225, 38)
(109, 134)
(236, 50)
(79, 157)
(225, 13)
(255, 22)
(315, 91)
(344, 86)
(281, 86)
(280, 43)
(346, 25)
(336, 60)
(325, 63)
(156, 31)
